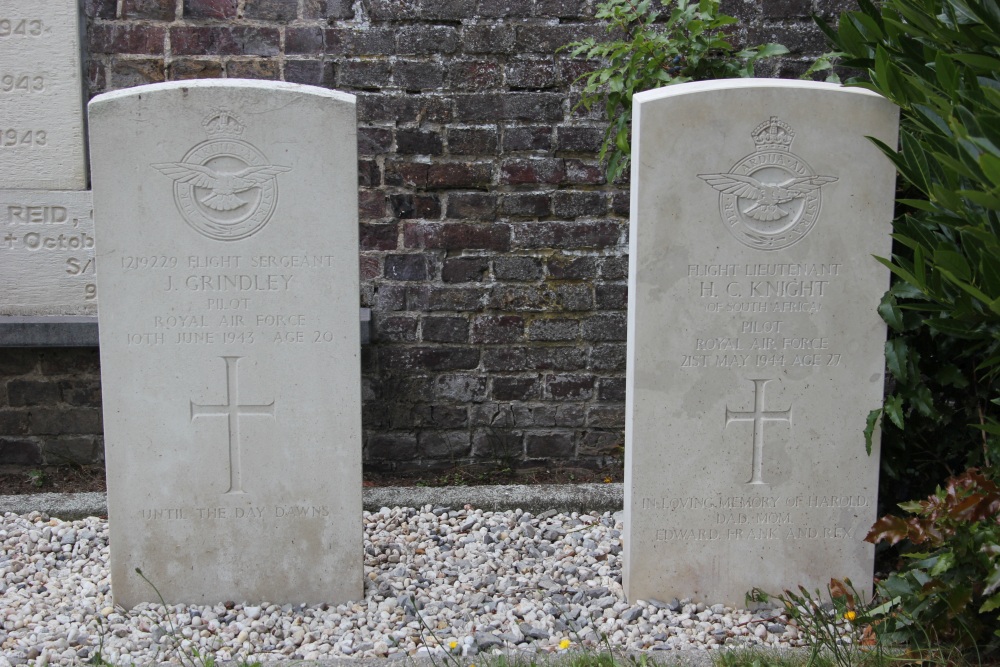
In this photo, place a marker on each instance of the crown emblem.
(773, 134)
(223, 123)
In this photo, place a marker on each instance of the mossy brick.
(391, 297)
(374, 140)
(554, 329)
(497, 329)
(607, 357)
(415, 206)
(579, 138)
(432, 416)
(532, 171)
(100, 9)
(18, 361)
(271, 10)
(21, 393)
(314, 72)
(473, 140)
(518, 269)
(378, 236)
(255, 68)
(505, 359)
(571, 267)
(786, 9)
(570, 9)
(570, 204)
(360, 41)
(569, 415)
(81, 392)
(620, 203)
(505, 8)
(304, 40)
(328, 9)
(369, 173)
(584, 172)
(130, 38)
(531, 74)
(601, 443)
(551, 445)
(191, 68)
(391, 446)
(527, 138)
(364, 74)
(533, 107)
(540, 298)
(526, 204)
(155, 10)
(511, 388)
(464, 388)
(498, 444)
(614, 268)
(417, 75)
(465, 298)
(426, 39)
(222, 40)
(488, 38)
(606, 416)
(72, 451)
(406, 267)
(465, 269)
(611, 389)
(457, 236)
(444, 444)
(372, 204)
(414, 141)
(566, 235)
(561, 358)
(444, 329)
(137, 72)
(464, 75)
(613, 296)
(210, 9)
(68, 421)
(14, 422)
(395, 328)
(562, 387)
(472, 205)
(428, 358)
(548, 38)
(19, 451)
(606, 326)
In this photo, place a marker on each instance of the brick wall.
(493, 252)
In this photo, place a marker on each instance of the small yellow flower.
(564, 644)
(607, 480)
(850, 615)
(453, 644)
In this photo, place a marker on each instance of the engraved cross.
(758, 417)
(233, 410)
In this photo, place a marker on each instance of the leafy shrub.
(937, 59)
(949, 590)
(651, 49)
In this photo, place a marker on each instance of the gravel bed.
(464, 581)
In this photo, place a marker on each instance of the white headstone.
(47, 253)
(226, 219)
(41, 96)
(754, 348)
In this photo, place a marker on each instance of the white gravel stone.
(480, 581)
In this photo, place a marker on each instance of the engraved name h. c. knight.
(224, 187)
(771, 198)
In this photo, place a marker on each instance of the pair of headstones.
(227, 241)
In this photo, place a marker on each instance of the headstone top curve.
(692, 87)
(217, 84)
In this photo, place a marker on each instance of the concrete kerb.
(530, 498)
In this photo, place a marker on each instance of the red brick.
(224, 40)
(457, 236)
(306, 40)
(210, 9)
(603, 234)
(127, 38)
(189, 68)
(130, 73)
(380, 236)
(459, 174)
(271, 10)
(157, 10)
(257, 68)
(497, 329)
(519, 171)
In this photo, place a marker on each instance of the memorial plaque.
(226, 220)
(755, 352)
(41, 96)
(47, 253)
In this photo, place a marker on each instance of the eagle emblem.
(771, 198)
(224, 188)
